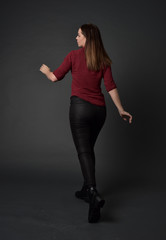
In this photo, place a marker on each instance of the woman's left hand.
(126, 116)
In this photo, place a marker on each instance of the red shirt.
(86, 84)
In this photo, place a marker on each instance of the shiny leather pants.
(86, 121)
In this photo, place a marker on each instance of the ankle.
(91, 186)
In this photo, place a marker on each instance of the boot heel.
(82, 194)
(100, 201)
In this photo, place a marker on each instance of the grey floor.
(43, 209)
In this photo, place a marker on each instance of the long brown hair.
(96, 56)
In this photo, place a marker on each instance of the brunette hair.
(96, 56)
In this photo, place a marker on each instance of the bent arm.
(60, 72)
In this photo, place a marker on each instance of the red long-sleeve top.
(86, 84)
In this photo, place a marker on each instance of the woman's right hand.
(44, 69)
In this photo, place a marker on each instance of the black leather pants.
(86, 121)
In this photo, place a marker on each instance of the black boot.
(83, 194)
(96, 202)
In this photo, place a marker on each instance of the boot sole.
(94, 211)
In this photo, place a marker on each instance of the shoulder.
(76, 52)
(106, 68)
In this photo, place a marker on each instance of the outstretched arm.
(116, 99)
(46, 70)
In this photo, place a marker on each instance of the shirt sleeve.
(108, 79)
(66, 65)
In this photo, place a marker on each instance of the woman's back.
(86, 84)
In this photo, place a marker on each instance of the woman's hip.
(82, 110)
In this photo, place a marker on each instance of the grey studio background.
(39, 168)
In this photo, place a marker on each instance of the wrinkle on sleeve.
(108, 79)
(64, 68)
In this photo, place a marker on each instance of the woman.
(88, 64)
